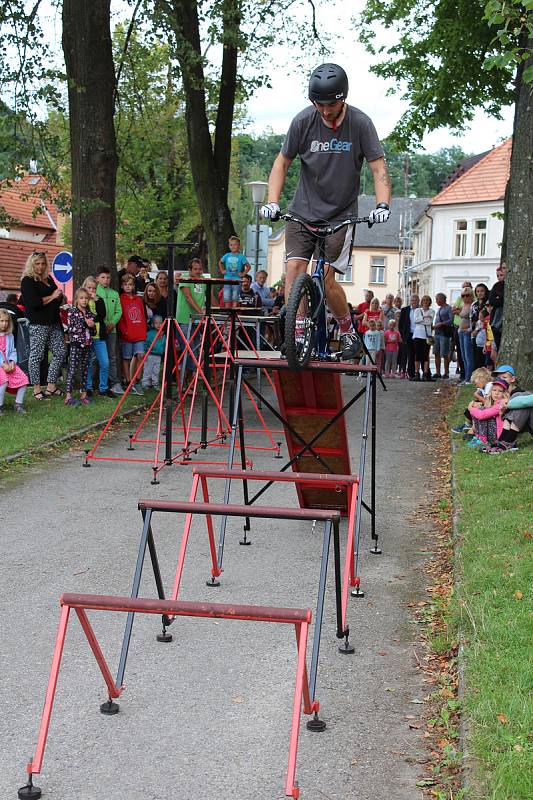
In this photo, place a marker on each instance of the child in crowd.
(517, 412)
(372, 342)
(11, 375)
(233, 265)
(132, 329)
(80, 329)
(99, 344)
(483, 336)
(392, 346)
(113, 313)
(486, 417)
(481, 380)
(380, 356)
(152, 364)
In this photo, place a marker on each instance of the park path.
(208, 715)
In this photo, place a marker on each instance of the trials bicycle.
(306, 308)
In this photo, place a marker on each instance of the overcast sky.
(274, 108)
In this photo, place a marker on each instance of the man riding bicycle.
(332, 140)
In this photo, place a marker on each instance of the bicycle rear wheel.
(300, 323)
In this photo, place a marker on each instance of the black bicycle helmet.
(327, 84)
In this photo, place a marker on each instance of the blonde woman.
(42, 300)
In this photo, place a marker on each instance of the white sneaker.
(136, 389)
(117, 389)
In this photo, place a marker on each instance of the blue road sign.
(62, 267)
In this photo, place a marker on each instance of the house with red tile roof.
(458, 236)
(33, 225)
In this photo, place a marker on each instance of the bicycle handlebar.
(325, 230)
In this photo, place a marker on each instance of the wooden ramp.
(307, 401)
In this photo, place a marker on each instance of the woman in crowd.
(481, 293)
(423, 319)
(373, 312)
(154, 304)
(465, 333)
(42, 300)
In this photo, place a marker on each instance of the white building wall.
(436, 266)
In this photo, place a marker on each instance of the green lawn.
(49, 420)
(494, 498)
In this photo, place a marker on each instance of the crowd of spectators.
(105, 334)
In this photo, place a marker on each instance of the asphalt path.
(208, 715)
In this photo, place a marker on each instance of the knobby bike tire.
(303, 292)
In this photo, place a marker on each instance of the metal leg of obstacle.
(357, 592)
(147, 538)
(375, 550)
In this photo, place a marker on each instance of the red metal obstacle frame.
(320, 481)
(298, 617)
(330, 518)
(210, 335)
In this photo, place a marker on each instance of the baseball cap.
(503, 368)
(502, 383)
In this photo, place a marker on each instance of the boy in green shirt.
(113, 314)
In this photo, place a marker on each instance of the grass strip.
(493, 611)
(50, 420)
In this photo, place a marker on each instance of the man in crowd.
(362, 308)
(443, 326)
(407, 328)
(260, 287)
(247, 297)
(133, 267)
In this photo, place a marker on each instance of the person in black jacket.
(42, 300)
(406, 327)
(495, 302)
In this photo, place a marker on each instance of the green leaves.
(437, 62)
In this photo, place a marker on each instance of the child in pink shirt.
(392, 345)
(488, 422)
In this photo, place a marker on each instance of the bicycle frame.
(320, 316)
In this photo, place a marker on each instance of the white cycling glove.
(270, 211)
(381, 213)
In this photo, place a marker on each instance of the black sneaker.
(90, 392)
(107, 393)
(350, 346)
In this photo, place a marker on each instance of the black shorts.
(421, 348)
(301, 244)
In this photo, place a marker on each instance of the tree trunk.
(210, 186)
(517, 339)
(91, 85)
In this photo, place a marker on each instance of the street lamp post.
(258, 197)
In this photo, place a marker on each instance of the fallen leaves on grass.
(502, 718)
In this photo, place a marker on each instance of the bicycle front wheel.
(299, 323)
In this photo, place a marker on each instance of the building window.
(460, 237)
(377, 269)
(480, 237)
(347, 277)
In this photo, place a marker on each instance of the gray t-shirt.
(331, 163)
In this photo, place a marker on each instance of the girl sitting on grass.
(487, 420)
(11, 376)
